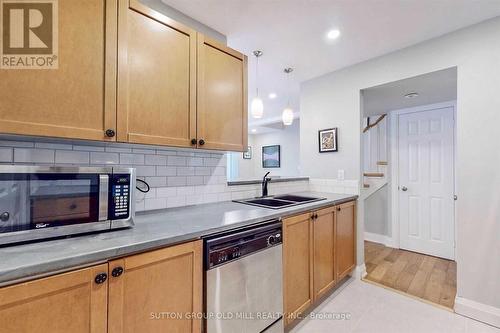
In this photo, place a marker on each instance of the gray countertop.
(152, 230)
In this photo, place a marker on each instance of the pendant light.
(287, 115)
(257, 107)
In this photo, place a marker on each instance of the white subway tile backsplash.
(143, 151)
(131, 158)
(203, 171)
(155, 160)
(211, 162)
(6, 154)
(176, 181)
(166, 171)
(177, 160)
(45, 145)
(145, 170)
(195, 161)
(88, 148)
(156, 181)
(156, 203)
(219, 171)
(72, 157)
(28, 155)
(185, 171)
(104, 158)
(119, 149)
(194, 180)
(177, 177)
(166, 192)
(176, 202)
(166, 152)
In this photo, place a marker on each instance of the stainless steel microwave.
(39, 202)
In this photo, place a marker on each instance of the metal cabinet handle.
(404, 188)
(201, 142)
(101, 278)
(117, 271)
(339, 209)
(193, 141)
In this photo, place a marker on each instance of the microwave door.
(14, 201)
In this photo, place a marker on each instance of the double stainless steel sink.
(279, 201)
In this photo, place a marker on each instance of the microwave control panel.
(120, 198)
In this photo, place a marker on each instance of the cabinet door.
(345, 220)
(222, 97)
(156, 78)
(324, 246)
(68, 302)
(155, 287)
(77, 100)
(297, 265)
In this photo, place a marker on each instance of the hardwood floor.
(430, 278)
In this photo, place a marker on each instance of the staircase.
(375, 147)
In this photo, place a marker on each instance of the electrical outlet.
(340, 175)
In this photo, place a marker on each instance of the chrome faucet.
(265, 180)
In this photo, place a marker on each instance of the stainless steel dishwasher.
(243, 280)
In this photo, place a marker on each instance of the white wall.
(288, 139)
(334, 100)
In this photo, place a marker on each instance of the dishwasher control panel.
(232, 246)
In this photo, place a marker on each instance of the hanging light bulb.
(287, 115)
(257, 106)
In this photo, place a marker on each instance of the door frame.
(394, 166)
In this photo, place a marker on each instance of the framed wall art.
(328, 140)
(271, 156)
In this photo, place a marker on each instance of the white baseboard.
(381, 239)
(486, 313)
(360, 271)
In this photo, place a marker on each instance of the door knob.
(404, 188)
(117, 271)
(101, 278)
(110, 133)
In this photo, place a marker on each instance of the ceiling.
(293, 33)
(435, 87)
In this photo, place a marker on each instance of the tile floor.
(373, 309)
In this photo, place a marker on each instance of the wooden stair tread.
(366, 185)
(381, 163)
(373, 174)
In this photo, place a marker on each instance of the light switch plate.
(340, 175)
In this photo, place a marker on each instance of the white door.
(426, 182)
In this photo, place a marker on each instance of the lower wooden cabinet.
(324, 251)
(156, 291)
(297, 265)
(345, 238)
(319, 250)
(69, 302)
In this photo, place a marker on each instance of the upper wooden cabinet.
(297, 265)
(222, 96)
(324, 251)
(156, 282)
(156, 78)
(69, 302)
(345, 238)
(128, 73)
(77, 100)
